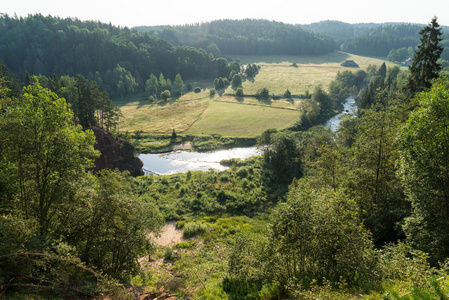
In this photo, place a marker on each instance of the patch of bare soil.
(183, 146)
(170, 235)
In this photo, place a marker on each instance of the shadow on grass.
(265, 101)
(333, 57)
(290, 100)
(141, 103)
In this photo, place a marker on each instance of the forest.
(375, 39)
(246, 37)
(121, 60)
(361, 212)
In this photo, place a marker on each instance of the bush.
(186, 245)
(165, 95)
(168, 254)
(193, 229)
(197, 90)
(236, 80)
(239, 92)
(263, 94)
(212, 92)
(242, 172)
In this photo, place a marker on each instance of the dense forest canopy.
(246, 37)
(118, 59)
(373, 39)
(121, 60)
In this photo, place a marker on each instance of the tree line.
(246, 37)
(120, 60)
(396, 40)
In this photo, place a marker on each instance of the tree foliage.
(425, 65)
(43, 153)
(282, 159)
(425, 171)
(315, 234)
(249, 37)
(119, 59)
(69, 220)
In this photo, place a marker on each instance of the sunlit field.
(224, 114)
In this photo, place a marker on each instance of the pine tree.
(425, 65)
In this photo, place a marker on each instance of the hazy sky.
(175, 12)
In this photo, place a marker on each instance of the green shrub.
(197, 90)
(193, 229)
(186, 245)
(239, 92)
(168, 254)
(224, 178)
(242, 172)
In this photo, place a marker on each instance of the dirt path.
(170, 235)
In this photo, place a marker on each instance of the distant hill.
(120, 60)
(246, 37)
(371, 39)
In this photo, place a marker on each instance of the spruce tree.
(425, 65)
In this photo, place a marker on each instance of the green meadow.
(226, 115)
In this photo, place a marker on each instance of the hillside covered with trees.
(397, 39)
(246, 37)
(362, 212)
(121, 60)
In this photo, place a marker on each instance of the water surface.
(183, 161)
(349, 107)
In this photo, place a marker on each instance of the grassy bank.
(160, 143)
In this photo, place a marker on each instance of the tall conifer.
(425, 65)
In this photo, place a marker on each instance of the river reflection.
(183, 161)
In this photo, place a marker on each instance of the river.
(349, 107)
(183, 161)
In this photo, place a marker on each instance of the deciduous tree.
(43, 154)
(424, 165)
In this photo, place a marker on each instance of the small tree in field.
(287, 94)
(236, 80)
(263, 94)
(239, 92)
(165, 95)
(178, 82)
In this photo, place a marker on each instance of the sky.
(132, 13)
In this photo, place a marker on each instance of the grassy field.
(163, 117)
(241, 120)
(277, 73)
(200, 114)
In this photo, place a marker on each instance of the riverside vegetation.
(360, 212)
